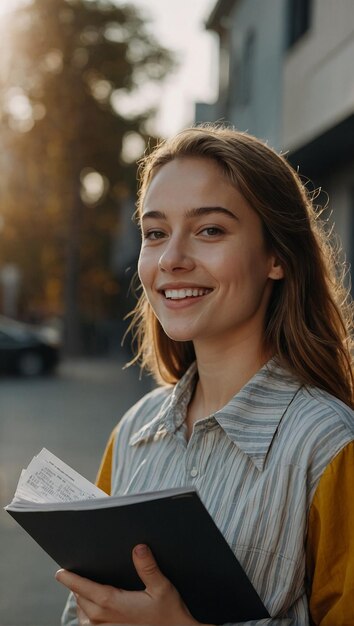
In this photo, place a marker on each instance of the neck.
(223, 371)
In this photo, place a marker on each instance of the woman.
(244, 321)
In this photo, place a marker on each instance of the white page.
(24, 491)
(99, 503)
(48, 479)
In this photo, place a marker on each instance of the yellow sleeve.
(330, 545)
(103, 480)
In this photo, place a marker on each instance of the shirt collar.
(252, 416)
(250, 419)
(172, 412)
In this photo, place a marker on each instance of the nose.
(176, 256)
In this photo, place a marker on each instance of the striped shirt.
(270, 467)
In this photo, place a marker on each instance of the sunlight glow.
(19, 109)
(133, 147)
(9, 5)
(177, 24)
(94, 185)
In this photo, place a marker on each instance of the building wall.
(258, 114)
(340, 189)
(250, 95)
(318, 74)
(318, 97)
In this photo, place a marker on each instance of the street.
(72, 415)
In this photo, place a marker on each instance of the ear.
(276, 271)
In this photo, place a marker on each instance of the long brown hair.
(309, 318)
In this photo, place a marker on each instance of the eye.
(153, 235)
(212, 231)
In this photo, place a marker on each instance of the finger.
(91, 612)
(147, 568)
(79, 585)
(82, 618)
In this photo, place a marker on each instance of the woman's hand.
(158, 605)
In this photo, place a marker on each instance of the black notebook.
(95, 537)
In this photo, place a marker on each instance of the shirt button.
(194, 472)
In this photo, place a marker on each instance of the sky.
(179, 26)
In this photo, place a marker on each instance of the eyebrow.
(196, 212)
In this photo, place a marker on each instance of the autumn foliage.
(68, 70)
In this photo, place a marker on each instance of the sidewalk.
(71, 414)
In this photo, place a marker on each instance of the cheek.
(146, 267)
(141, 267)
(247, 271)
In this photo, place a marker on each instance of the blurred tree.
(66, 68)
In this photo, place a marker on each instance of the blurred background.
(86, 87)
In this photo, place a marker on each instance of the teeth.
(178, 294)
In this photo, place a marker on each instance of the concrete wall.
(340, 189)
(319, 74)
(260, 113)
(260, 116)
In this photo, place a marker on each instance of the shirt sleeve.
(104, 476)
(69, 616)
(330, 544)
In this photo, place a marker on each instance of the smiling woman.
(242, 316)
(208, 240)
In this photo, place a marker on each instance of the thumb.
(146, 567)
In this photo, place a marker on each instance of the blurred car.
(28, 350)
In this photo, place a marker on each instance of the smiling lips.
(179, 294)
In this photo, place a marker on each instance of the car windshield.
(13, 329)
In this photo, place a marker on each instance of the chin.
(178, 335)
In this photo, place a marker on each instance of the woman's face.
(203, 263)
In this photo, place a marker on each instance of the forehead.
(188, 180)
